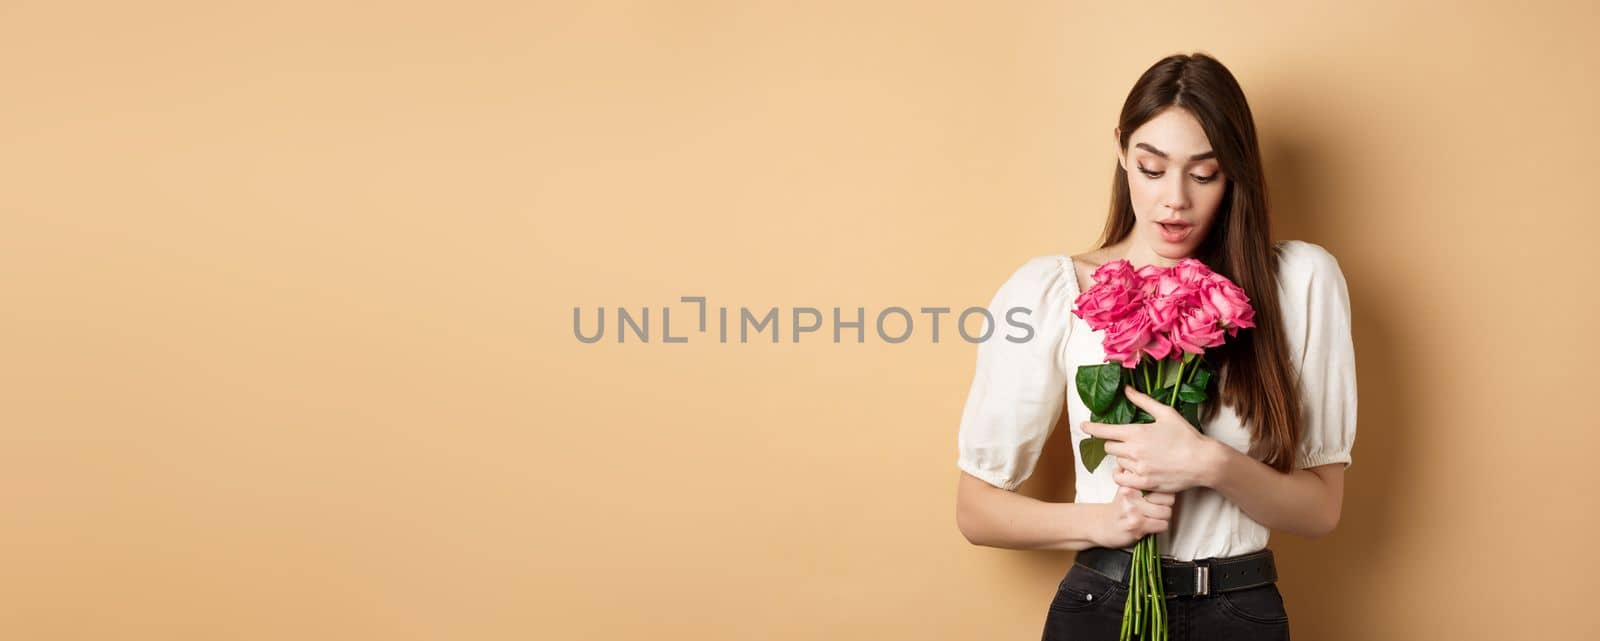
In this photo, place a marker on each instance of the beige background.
(289, 288)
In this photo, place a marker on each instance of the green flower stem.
(1138, 589)
(1154, 569)
(1161, 587)
(1136, 575)
(1127, 619)
(1141, 619)
(1155, 591)
(1174, 400)
(1144, 580)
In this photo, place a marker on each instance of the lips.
(1174, 232)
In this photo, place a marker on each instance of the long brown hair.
(1255, 374)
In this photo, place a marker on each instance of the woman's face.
(1173, 176)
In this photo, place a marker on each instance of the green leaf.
(1164, 394)
(1189, 393)
(1100, 385)
(1169, 374)
(1143, 417)
(1201, 378)
(1122, 412)
(1091, 451)
(1191, 413)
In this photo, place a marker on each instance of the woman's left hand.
(1169, 455)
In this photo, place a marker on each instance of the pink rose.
(1126, 339)
(1150, 277)
(1117, 273)
(1191, 272)
(1165, 311)
(1159, 346)
(1197, 331)
(1162, 311)
(1103, 306)
(1115, 295)
(1228, 304)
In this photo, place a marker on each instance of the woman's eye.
(1199, 179)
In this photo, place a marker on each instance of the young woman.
(1271, 455)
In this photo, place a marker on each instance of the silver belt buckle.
(1202, 580)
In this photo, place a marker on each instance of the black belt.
(1189, 578)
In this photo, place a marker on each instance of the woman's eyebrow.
(1163, 154)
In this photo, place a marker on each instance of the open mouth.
(1174, 233)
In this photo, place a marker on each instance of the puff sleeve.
(1317, 308)
(1019, 385)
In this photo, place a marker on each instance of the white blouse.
(1018, 390)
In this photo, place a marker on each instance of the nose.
(1177, 199)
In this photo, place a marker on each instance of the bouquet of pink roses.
(1158, 322)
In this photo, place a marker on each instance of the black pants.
(1088, 606)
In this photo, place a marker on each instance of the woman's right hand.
(1134, 514)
